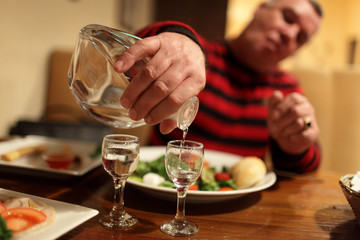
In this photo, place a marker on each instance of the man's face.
(282, 27)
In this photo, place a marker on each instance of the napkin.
(355, 182)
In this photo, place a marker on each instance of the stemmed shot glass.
(183, 162)
(120, 156)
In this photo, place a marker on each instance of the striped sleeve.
(171, 26)
(309, 160)
(305, 162)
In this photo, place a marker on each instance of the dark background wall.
(207, 17)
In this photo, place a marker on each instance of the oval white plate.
(216, 159)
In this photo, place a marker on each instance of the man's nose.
(290, 32)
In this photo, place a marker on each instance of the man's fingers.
(167, 126)
(157, 91)
(174, 101)
(141, 49)
(154, 69)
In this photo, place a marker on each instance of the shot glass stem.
(180, 210)
(118, 210)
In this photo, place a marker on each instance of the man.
(248, 105)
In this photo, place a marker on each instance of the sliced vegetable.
(141, 169)
(5, 233)
(228, 183)
(207, 175)
(210, 180)
(190, 159)
(19, 219)
(2, 207)
(194, 187)
(206, 164)
(222, 176)
(226, 189)
(136, 178)
(156, 166)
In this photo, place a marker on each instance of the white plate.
(217, 160)
(68, 216)
(36, 162)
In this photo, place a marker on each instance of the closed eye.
(291, 17)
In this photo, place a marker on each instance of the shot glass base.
(126, 222)
(178, 229)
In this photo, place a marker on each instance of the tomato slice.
(19, 219)
(194, 187)
(2, 207)
(223, 176)
(226, 189)
(206, 164)
(189, 158)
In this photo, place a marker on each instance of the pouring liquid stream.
(182, 144)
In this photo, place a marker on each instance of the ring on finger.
(307, 122)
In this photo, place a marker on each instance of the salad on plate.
(154, 173)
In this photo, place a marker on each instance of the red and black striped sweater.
(232, 114)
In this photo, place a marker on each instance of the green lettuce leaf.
(5, 234)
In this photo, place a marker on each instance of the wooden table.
(305, 207)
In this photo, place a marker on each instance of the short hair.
(314, 3)
(317, 7)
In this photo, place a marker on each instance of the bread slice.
(15, 154)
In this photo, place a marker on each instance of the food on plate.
(29, 150)
(5, 233)
(23, 215)
(212, 180)
(153, 179)
(59, 160)
(96, 153)
(248, 171)
(61, 156)
(355, 182)
(154, 173)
